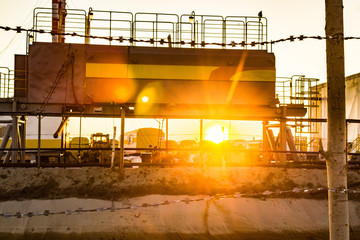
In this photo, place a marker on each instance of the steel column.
(23, 138)
(5, 140)
(282, 146)
(265, 142)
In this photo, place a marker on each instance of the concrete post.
(336, 147)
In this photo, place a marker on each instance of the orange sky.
(179, 129)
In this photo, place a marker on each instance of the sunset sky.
(285, 18)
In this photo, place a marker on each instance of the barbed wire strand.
(20, 214)
(131, 40)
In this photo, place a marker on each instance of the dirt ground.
(274, 203)
(108, 184)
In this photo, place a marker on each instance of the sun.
(216, 134)
(145, 99)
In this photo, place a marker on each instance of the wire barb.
(187, 200)
(191, 43)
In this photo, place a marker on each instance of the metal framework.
(187, 27)
(155, 26)
(299, 89)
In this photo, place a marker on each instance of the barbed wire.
(235, 195)
(131, 40)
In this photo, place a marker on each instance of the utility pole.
(336, 147)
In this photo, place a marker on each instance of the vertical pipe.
(336, 146)
(265, 143)
(87, 25)
(282, 140)
(65, 143)
(113, 148)
(5, 139)
(62, 16)
(87, 30)
(201, 141)
(23, 138)
(223, 143)
(110, 27)
(61, 145)
(79, 138)
(229, 145)
(122, 137)
(15, 135)
(55, 19)
(167, 135)
(39, 141)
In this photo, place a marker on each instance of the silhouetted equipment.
(191, 81)
(185, 78)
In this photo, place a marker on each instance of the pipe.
(62, 18)
(61, 127)
(55, 19)
(113, 148)
(5, 139)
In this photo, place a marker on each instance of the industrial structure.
(155, 65)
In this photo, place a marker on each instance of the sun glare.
(145, 99)
(216, 134)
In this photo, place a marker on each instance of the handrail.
(126, 24)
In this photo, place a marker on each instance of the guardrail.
(156, 26)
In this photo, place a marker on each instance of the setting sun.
(145, 99)
(216, 134)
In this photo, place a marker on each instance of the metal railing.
(13, 83)
(156, 26)
(42, 20)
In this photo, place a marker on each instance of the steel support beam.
(5, 140)
(282, 145)
(266, 145)
(22, 132)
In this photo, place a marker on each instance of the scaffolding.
(299, 89)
